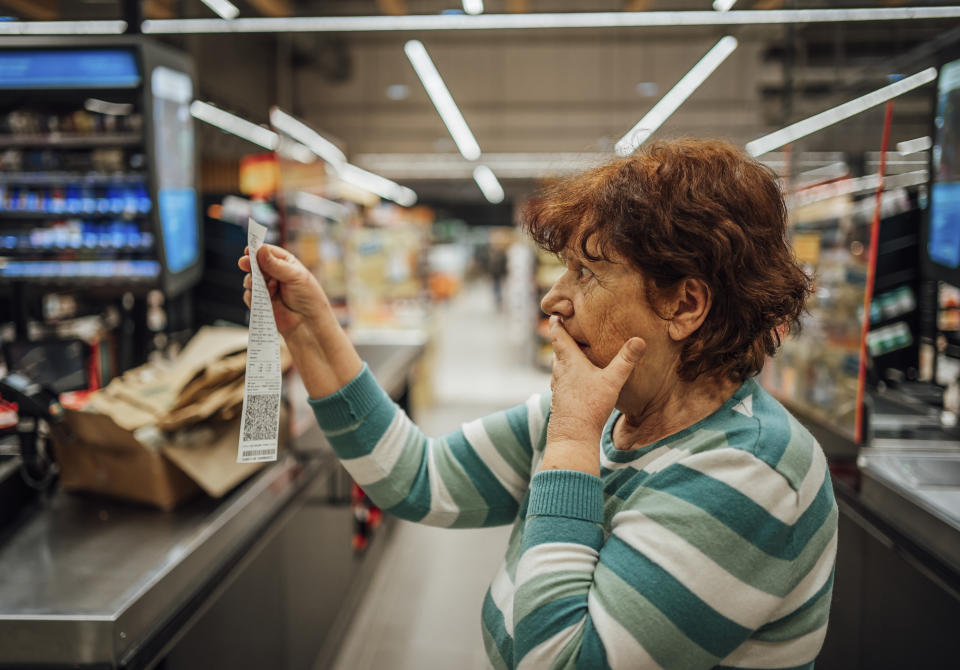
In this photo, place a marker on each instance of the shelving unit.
(97, 166)
(62, 140)
(547, 272)
(98, 201)
(817, 370)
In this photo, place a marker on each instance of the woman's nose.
(555, 302)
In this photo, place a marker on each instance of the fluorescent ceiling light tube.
(320, 206)
(442, 100)
(306, 135)
(473, 6)
(223, 8)
(837, 169)
(446, 166)
(289, 148)
(62, 27)
(98, 106)
(914, 146)
(793, 132)
(487, 181)
(723, 5)
(377, 184)
(234, 124)
(857, 185)
(676, 96)
(329, 24)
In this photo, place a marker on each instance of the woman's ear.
(691, 306)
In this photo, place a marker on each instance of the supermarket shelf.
(33, 216)
(81, 272)
(50, 251)
(70, 178)
(71, 140)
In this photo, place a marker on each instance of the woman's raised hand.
(321, 350)
(295, 293)
(583, 398)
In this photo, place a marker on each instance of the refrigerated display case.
(97, 166)
(816, 371)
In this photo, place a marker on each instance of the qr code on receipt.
(261, 420)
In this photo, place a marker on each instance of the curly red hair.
(681, 209)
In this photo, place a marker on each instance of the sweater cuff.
(567, 493)
(351, 404)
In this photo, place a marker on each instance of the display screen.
(943, 241)
(174, 146)
(73, 68)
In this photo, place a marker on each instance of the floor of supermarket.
(422, 608)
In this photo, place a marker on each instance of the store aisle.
(422, 608)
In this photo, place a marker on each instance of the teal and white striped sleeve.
(473, 477)
(713, 561)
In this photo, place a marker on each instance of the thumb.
(619, 369)
(279, 263)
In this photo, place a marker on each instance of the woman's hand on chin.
(583, 398)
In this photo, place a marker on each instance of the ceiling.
(540, 101)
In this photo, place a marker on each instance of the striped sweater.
(713, 547)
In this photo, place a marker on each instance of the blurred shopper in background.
(667, 512)
(497, 269)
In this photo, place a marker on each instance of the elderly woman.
(667, 512)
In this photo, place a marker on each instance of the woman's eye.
(584, 273)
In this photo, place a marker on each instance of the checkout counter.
(263, 578)
(896, 599)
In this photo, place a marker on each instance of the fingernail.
(636, 347)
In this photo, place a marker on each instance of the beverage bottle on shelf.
(88, 200)
(103, 236)
(83, 121)
(90, 238)
(74, 233)
(103, 201)
(118, 234)
(74, 200)
(33, 202)
(41, 238)
(58, 204)
(129, 201)
(61, 235)
(117, 200)
(134, 123)
(143, 199)
(132, 234)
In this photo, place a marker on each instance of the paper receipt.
(260, 419)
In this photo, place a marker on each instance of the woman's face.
(602, 304)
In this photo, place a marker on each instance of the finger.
(247, 281)
(244, 263)
(278, 263)
(626, 360)
(563, 344)
(272, 287)
(247, 297)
